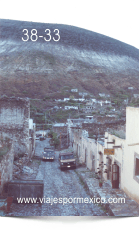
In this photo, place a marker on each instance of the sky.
(116, 19)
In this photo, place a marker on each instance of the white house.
(102, 94)
(107, 102)
(79, 99)
(30, 123)
(94, 100)
(59, 100)
(66, 99)
(74, 90)
(83, 94)
(136, 95)
(130, 87)
(71, 107)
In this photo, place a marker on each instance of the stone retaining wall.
(14, 122)
(6, 168)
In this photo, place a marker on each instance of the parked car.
(67, 160)
(48, 154)
(38, 136)
(42, 138)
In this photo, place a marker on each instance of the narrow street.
(57, 184)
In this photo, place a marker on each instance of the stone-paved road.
(58, 184)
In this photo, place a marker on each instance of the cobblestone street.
(58, 184)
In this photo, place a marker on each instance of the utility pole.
(67, 135)
(60, 140)
(45, 118)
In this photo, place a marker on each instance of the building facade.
(14, 122)
(116, 158)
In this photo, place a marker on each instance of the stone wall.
(6, 168)
(63, 135)
(14, 122)
(101, 128)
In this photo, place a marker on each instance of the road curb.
(96, 194)
(128, 207)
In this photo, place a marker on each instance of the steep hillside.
(89, 61)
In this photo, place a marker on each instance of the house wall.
(60, 129)
(14, 122)
(77, 142)
(84, 147)
(132, 125)
(118, 156)
(130, 182)
(89, 150)
(6, 168)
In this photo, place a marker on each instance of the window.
(137, 167)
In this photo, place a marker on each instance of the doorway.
(115, 176)
(86, 156)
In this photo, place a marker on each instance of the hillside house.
(102, 94)
(131, 88)
(66, 99)
(79, 99)
(83, 94)
(71, 107)
(87, 109)
(74, 90)
(89, 118)
(107, 102)
(136, 95)
(94, 100)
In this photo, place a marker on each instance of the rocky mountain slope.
(81, 59)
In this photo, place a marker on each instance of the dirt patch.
(26, 171)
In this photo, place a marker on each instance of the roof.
(49, 147)
(59, 125)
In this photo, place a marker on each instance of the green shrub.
(55, 138)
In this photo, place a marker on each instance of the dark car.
(38, 136)
(67, 160)
(42, 138)
(48, 154)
